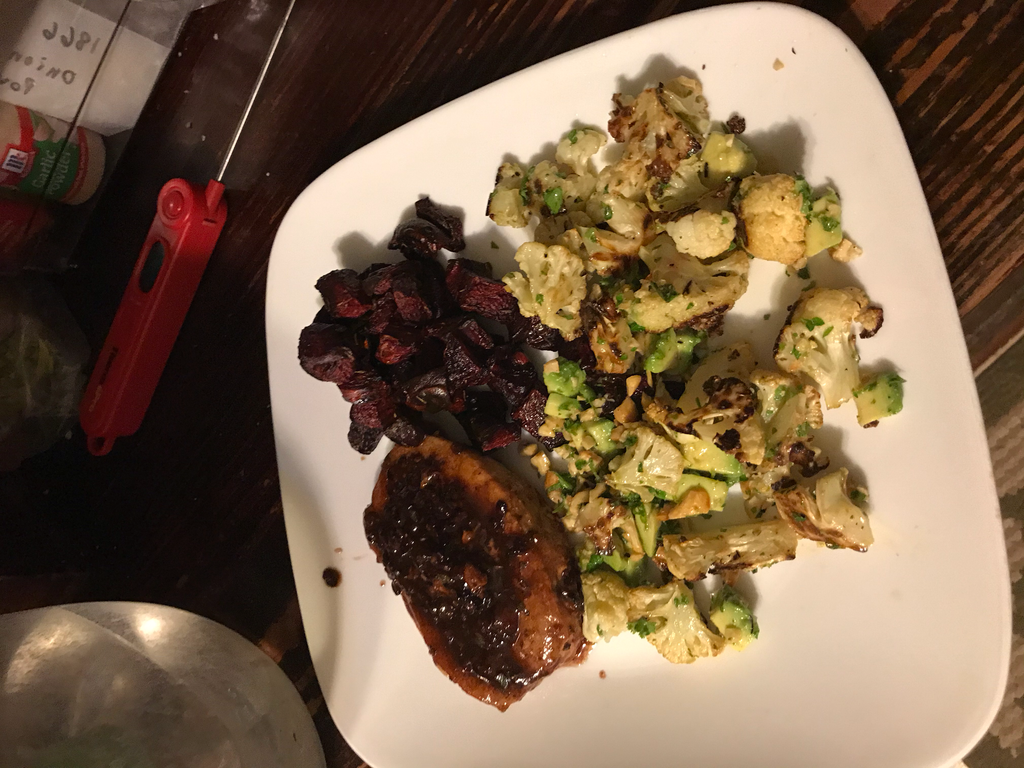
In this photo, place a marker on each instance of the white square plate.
(892, 659)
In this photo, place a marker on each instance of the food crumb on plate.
(332, 577)
(337, 550)
(602, 674)
(382, 582)
(778, 65)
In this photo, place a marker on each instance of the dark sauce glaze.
(456, 566)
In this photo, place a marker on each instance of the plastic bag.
(43, 354)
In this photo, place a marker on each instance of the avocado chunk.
(564, 377)
(561, 406)
(726, 157)
(733, 618)
(705, 456)
(824, 225)
(601, 431)
(880, 397)
(671, 349)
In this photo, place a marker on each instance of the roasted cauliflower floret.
(819, 341)
(774, 213)
(507, 205)
(668, 619)
(740, 547)
(791, 412)
(605, 605)
(681, 290)
(652, 462)
(550, 287)
(829, 516)
(703, 234)
(662, 127)
(578, 147)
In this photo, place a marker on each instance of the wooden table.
(188, 511)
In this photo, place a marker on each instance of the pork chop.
(486, 571)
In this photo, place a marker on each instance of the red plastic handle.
(188, 221)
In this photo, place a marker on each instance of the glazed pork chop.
(485, 569)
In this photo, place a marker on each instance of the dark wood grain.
(188, 511)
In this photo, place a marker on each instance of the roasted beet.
(406, 429)
(343, 293)
(396, 343)
(579, 351)
(418, 239)
(326, 352)
(532, 332)
(465, 366)
(530, 412)
(363, 385)
(512, 375)
(384, 311)
(476, 334)
(448, 223)
(364, 439)
(475, 293)
(485, 422)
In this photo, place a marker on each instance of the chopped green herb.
(690, 305)
(725, 219)
(591, 234)
(798, 517)
(809, 286)
(803, 429)
(830, 545)
(767, 315)
(636, 327)
(494, 245)
(813, 322)
(804, 190)
(595, 560)
(829, 223)
(858, 495)
(666, 290)
(680, 600)
(803, 273)
(553, 199)
(659, 493)
(796, 352)
(607, 212)
(630, 440)
(539, 298)
(642, 626)
(573, 138)
(827, 331)
(600, 631)
(619, 298)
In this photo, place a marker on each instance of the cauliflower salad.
(628, 278)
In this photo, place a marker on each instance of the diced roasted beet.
(364, 439)
(384, 311)
(432, 392)
(466, 366)
(482, 268)
(475, 293)
(476, 334)
(373, 268)
(406, 429)
(396, 343)
(485, 422)
(552, 442)
(675, 389)
(449, 224)
(343, 293)
(512, 375)
(378, 282)
(363, 385)
(418, 239)
(532, 332)
(326, 352)
(410, 301)
(578, 350)
(530, 412)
